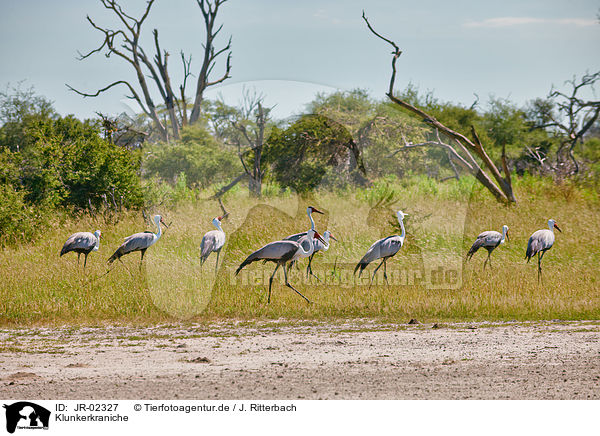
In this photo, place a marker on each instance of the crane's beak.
(507, 237)
(557, 228)
(164, 223)
(316, 210)
(319, 237)
(332, 237)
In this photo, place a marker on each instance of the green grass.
(37, 287)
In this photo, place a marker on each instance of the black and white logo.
(26, 415)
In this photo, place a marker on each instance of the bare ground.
(357, 359)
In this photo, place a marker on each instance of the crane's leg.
(85, 262)
(142, 258)
(271, 282)
(291, 287)
(375, 272)
(385, 271)
(488, 259)
(78, 256)
(309, 268)
(540, 266)
(217, 262)
(125, 266)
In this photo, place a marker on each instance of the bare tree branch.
(503, 189)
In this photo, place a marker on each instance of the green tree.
(198, 155)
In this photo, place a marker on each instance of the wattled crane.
(540, 242)
(82, 242)
(139, 242)
(212, 241)
(383, 249)
(280, 253)
(488, 240)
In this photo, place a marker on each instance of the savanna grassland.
(429, 279)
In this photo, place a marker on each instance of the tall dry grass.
(430, 280)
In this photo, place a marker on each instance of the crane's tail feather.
(248, 261)
(116, 255)
(476, 246)
(360, 265)
(532, 249)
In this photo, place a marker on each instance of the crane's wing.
(274, 251)
(79, 241)
(135, 242)
(489, 238)
(208, 244)
(385, 247)
(295, 237)
(540, 240)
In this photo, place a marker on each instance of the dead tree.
(253, 135)
(209, 12)
(124, 42)
(461, 144)
(574, 119)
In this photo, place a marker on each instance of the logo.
(26, 415)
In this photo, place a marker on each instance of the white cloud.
(518, 21)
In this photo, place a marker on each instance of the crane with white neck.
(489, 240)
(82, 243)
(319, 246)
(383, 249)
(540, 242)
(212, 242)
(303, 239)
(282, 253)
(139, 242)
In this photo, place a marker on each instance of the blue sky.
(289, 50)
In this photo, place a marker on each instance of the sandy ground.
(277, 360)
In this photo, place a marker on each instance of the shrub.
(198, 155)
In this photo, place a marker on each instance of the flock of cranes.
(284, 253)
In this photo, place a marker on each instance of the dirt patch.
(20, 375)
(353, 360)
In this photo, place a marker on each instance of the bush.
(198, 155)
(70, 165)
(302, 154)
(17, 219)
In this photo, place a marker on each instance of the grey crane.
(318, 246)
(383, 249)
(212, 241)
(303, 239)
(280, 253)
(139, 242)
(488, 240)
(540, 242)
(82, 242)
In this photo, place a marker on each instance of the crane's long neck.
(326, 240)
(312, 222)
(403, 234)
(311, 241)
(551, 226)
(217, 224)
(159, 233)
